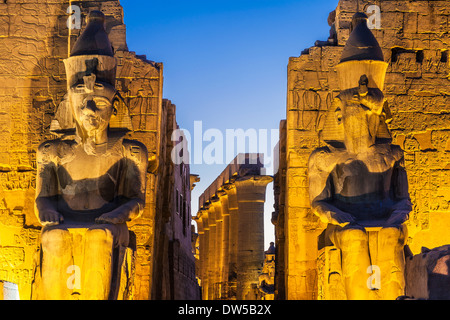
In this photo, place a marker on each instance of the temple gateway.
(94, 207)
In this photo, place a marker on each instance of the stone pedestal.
(9, 291)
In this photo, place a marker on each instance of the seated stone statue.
(360, 185)
(92, 181)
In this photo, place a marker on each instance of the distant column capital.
(252, 188)
(200, 224)
(212, 215)
(203, 216)
(215, 201)
(224, 201)
(232, 197)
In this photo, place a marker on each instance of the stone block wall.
(174, 274)
(34, 41)
(414, 37)
(32, 46)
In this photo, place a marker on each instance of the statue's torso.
(90, 181)
(361, 183)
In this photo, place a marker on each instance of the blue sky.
(225, 62)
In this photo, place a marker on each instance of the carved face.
(360, 123)
(360, 115)
(92, 104)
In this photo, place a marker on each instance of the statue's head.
(91, 75)
(359, 113)
(92, 103)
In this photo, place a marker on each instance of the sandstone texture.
(34, 41)
(414, 38)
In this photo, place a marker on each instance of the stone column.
(251, 195)
(211, 251)
(225, 250)
(218, 259)
(204, 250)
(233, 240)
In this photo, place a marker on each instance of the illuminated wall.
(415, 42)
(34, 40)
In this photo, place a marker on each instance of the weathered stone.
(83, 218)
(34, 41)
(428, 274)
(341, 193)
(416, 89)
(424, 140)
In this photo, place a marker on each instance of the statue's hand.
(50, 217)
(113, 217)
(341, 218)
(397, 218)
(124, 213)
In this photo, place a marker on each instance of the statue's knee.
(55, 241)
(392, 236)
(391, 232)
(101, 236)
(352, 240)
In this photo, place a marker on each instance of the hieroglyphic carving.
(11, 257)
(417, 92)
(15, 180)
(310, 109)
(33, 43)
